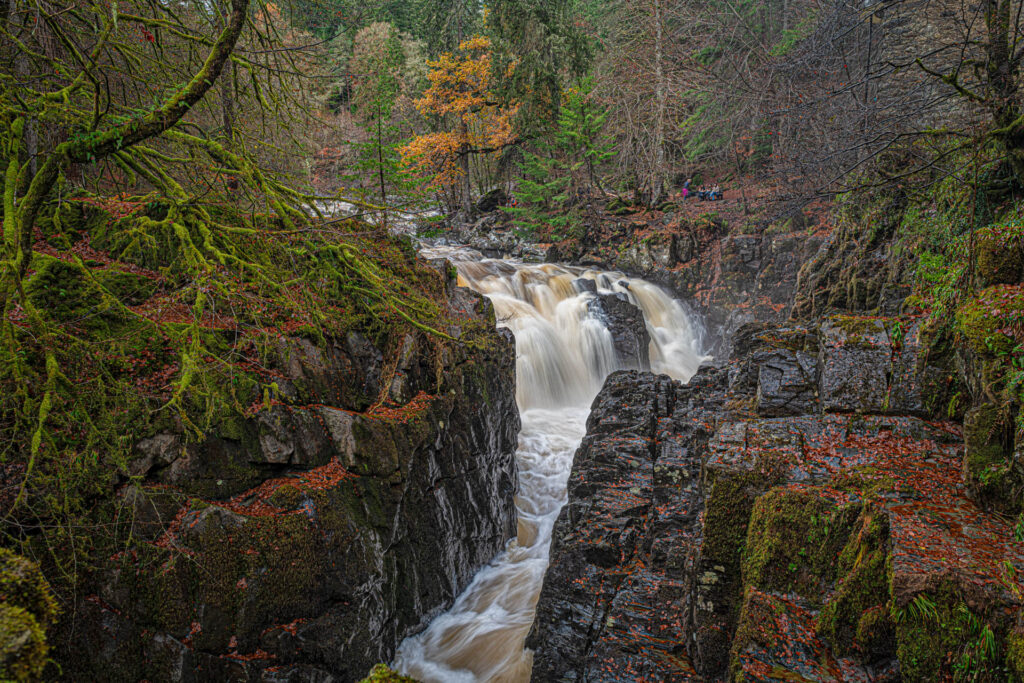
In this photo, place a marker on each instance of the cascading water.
(563, 354)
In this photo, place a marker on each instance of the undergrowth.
(142, 315)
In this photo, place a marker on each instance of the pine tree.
(377, 62)
(559, 174)
(536, 43)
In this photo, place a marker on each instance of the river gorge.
(564, 351)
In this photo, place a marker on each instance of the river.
(563, 354)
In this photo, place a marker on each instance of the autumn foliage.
(471, 124)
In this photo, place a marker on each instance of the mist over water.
(563, 354)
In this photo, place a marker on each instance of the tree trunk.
(1002, 83)
(227, 102)
(380, 169)
(467, 184)
(661, 98)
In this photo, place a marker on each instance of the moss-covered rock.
(1015, 654)
(23, 645)
(855, 612)
(986, 322)
(383, 674)
(939, 637)
(792, 542)
(619, 207)
(987, 470)
(27, 609)
(61, 289)
(130, 288)
(999, 254)
(22, 585)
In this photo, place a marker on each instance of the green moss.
(866, 481)
(792, 541)
(22, 585)
(875, 633)
(855, 611)
(758, 611)
(23, 645)
(27, 609)
(62, 290)
(986, 321)
(727, 515)
(939, 637)
(619, 207)
(382, 674)
(859, 330)
(129, 288)
(286, 497)
(999, 253)
(1015, 654)
(987, 469)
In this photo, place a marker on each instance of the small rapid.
(563, 354)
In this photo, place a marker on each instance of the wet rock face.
(614, 597)
(775, 519)
(626, 324)
(306, 542)
(732, 280)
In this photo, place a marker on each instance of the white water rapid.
(563, 354)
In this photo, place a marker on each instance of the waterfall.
(563, 354)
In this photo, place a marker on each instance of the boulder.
(492, 200)
(855, 358)
(27, 610)
(626, 324)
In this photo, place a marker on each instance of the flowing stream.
(563, 354)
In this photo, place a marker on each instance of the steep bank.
(704, 524)
(338, 533)
(842, 498)
(274, 466)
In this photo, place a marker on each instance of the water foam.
(563, 354)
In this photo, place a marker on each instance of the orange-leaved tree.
(472, 129)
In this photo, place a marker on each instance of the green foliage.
(535, 43)
(193, 314)
(382, 674)
(933, 626)
(791, 37)
(444, 24)
(379, 60)
(557, 176)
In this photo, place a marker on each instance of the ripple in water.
(563, 354)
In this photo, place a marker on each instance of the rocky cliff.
(305, 540)
(792, 514)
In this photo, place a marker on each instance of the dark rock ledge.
(304, 543)
(790, 515)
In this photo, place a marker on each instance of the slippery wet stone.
(304, 543)
(626, 324)
(792, 531)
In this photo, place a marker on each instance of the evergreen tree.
(444, 24)
(535, 43)
(377, 62)
(563, 168)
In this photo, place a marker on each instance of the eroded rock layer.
(790, 515)
(305, 542)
